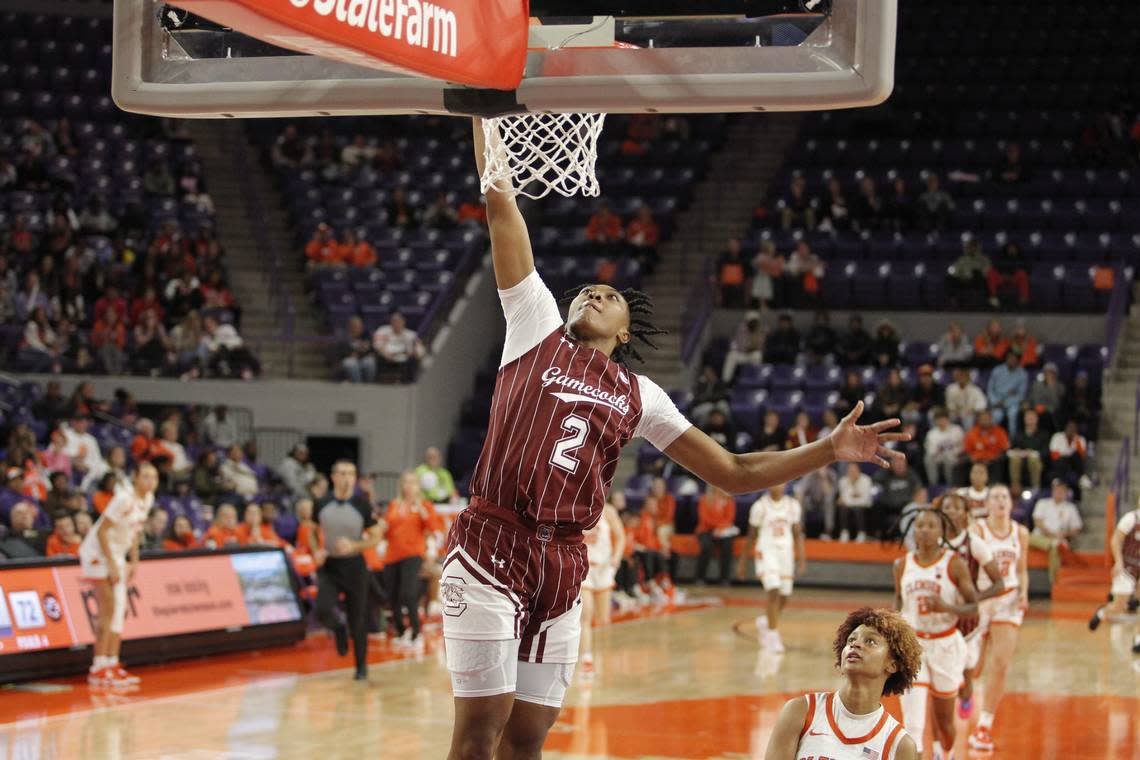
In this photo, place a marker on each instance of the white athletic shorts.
(943, 661)
(1001, 610)
(1123, 584)
(775, 568)
(93, 565)
(490, 668)
(600, 578)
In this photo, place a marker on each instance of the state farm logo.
(418, 23)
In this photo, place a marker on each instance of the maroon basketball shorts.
(504, 580)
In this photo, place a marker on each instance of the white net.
(536, 153)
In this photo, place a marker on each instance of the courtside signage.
(482, 44)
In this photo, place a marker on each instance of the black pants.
(403, 581)
(723, 547)
(626, 577)
(651, 562)
(348, 576)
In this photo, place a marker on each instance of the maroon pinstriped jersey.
(1130, 549)
(560, 414)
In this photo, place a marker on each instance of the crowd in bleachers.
(109, 261)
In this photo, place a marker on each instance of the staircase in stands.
(246, 200)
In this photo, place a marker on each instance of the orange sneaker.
(100, 677)
(120, 677)
(982, 740)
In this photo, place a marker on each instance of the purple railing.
(695, 314)
(1117, 311)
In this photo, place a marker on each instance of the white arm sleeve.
(531, 313)
(661, 422)
(1127, 523)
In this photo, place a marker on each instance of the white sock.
(986, 719)
(112, 661)
(913, 703)
(101, 662)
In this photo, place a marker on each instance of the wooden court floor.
(684, 683)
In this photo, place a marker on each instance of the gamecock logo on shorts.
(451, 591)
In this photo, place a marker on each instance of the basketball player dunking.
(564, 405)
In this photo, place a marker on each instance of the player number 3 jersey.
(560, 414)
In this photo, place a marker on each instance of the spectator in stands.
(357, 153)
(226, 353)
(322, 251)
(708, 394)
(1009, 270)
(147, 302)
(733, 275)
(180, 536)
(1047, 395)
(925, 396)
(54, 457)
(237, 474)
(107, 486)
(944, 447)
(1011, 169)
(816, 493)
(1082, 404)
(33, 296)
(855, 496)
(836, 216)
(1055, 521)
(40, 347)
(256, 529)
(51, 408)
(183, 294)
(720, 429)
(1024, 344)
(154, 529)
(59, 496)
(297, 471)
(435, 480)
(1068, 451)
(967, 279)
(152, 352)
(783, 344)
(1027, 448)
(473, 211)
(82, 448)
(935, 205)
(207, 477)
(868, 209)
(821, 340)
(991, 345)
(855, 344)
(145, 447)
(851, 392)
(109, 339)
(899, 207)
(157, 180)
(24, 539)
(358, 362)
(186, 345)
(805, 272)
(399, 348)
(772, 436)
(441, 214)
(747, 346)
(223, 532)
(986, 443)
(642, 236)
(401, 212)
(64, 539)
(217, 296)
(891, 396)
(885, 345)
(221, 427)
(802, 432)
(716, 529)
(180, 464)
(1006, 390)
(768, 272)
(290, 151)
(897, 488)
(954, 348)
(798, 208)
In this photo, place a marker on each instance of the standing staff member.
(409, 519)
(344, 518)
(101, 560)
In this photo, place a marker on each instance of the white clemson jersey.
(871, 737)
(919, 584)
(775, 522)
(1006, 550)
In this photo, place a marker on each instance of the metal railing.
(696, 311)
(1117, 311)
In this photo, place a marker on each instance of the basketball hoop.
(536, 153)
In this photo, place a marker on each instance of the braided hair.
(640, 309)
(906, 522)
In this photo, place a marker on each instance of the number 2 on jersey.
(563, 456)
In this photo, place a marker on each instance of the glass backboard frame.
(846, 62)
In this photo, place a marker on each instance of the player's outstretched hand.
(866, 443)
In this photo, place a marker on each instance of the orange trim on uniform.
(891, 742)
(810, 714)
(940, 635)
(943, 694)
(1009, 590)
(1005, 622)
(917, 562)
(829, 709)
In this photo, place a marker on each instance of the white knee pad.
(118, 606)
(482, 668)
(544, 683)
(913, 703)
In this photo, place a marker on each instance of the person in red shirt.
(1025, 344)
(111, 300)
(64, 539)
(323, 251)
(180, 536)
(604, 228)
(308, 539)
(409, 519)
(254, 531)
(357, 253)
(986, 443)
(108, 339)
(145, 447)
(716, 528)
(148, 301)
(224, 530)
(642, 236)
(990, 347)
(664, 506)
(473, 210)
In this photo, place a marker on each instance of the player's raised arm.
(745, 473)
(510, 241)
